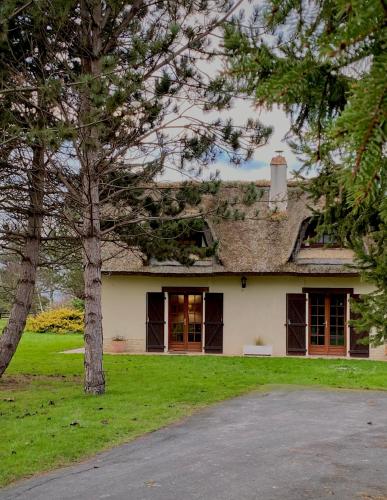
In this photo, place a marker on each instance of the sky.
(259, 167)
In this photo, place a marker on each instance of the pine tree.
(131, 95)
(29, 133)
(325, 64)
(141, 76)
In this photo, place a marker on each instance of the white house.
(267, 281)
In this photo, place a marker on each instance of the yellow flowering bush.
(62, 320)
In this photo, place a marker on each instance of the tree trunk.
(21, 306)
(94, 375)
(91, 26)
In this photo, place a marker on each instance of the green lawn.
(46, 420)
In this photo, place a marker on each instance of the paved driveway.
(288, 445)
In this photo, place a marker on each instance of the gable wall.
(259, 310)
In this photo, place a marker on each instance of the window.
(312, 239)
(184, 246)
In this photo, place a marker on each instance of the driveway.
(284, 444)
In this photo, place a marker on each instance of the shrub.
(63, 320)
(78, 304)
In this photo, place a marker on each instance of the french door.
(327, 323)
(185, 321)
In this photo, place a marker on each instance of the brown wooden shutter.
(155, 322)
(296, 323)
(214, 323)
(357, 350)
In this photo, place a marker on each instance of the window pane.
(178, 332)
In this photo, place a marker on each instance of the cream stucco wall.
(259, 310)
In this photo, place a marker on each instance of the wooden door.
(214, 323)
(185, 321)
(296, 324)
(155, 322)
(327, 323)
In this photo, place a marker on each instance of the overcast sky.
(259, 167)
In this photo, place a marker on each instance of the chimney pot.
(278, 160)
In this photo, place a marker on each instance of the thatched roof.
(264, 242)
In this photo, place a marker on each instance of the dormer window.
(186, 244)
(314, 239)
(313, 247)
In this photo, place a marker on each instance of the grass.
(46, 420)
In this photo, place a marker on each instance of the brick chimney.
(278, 195)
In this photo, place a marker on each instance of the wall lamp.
(243, 281)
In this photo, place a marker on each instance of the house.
(268, 280)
